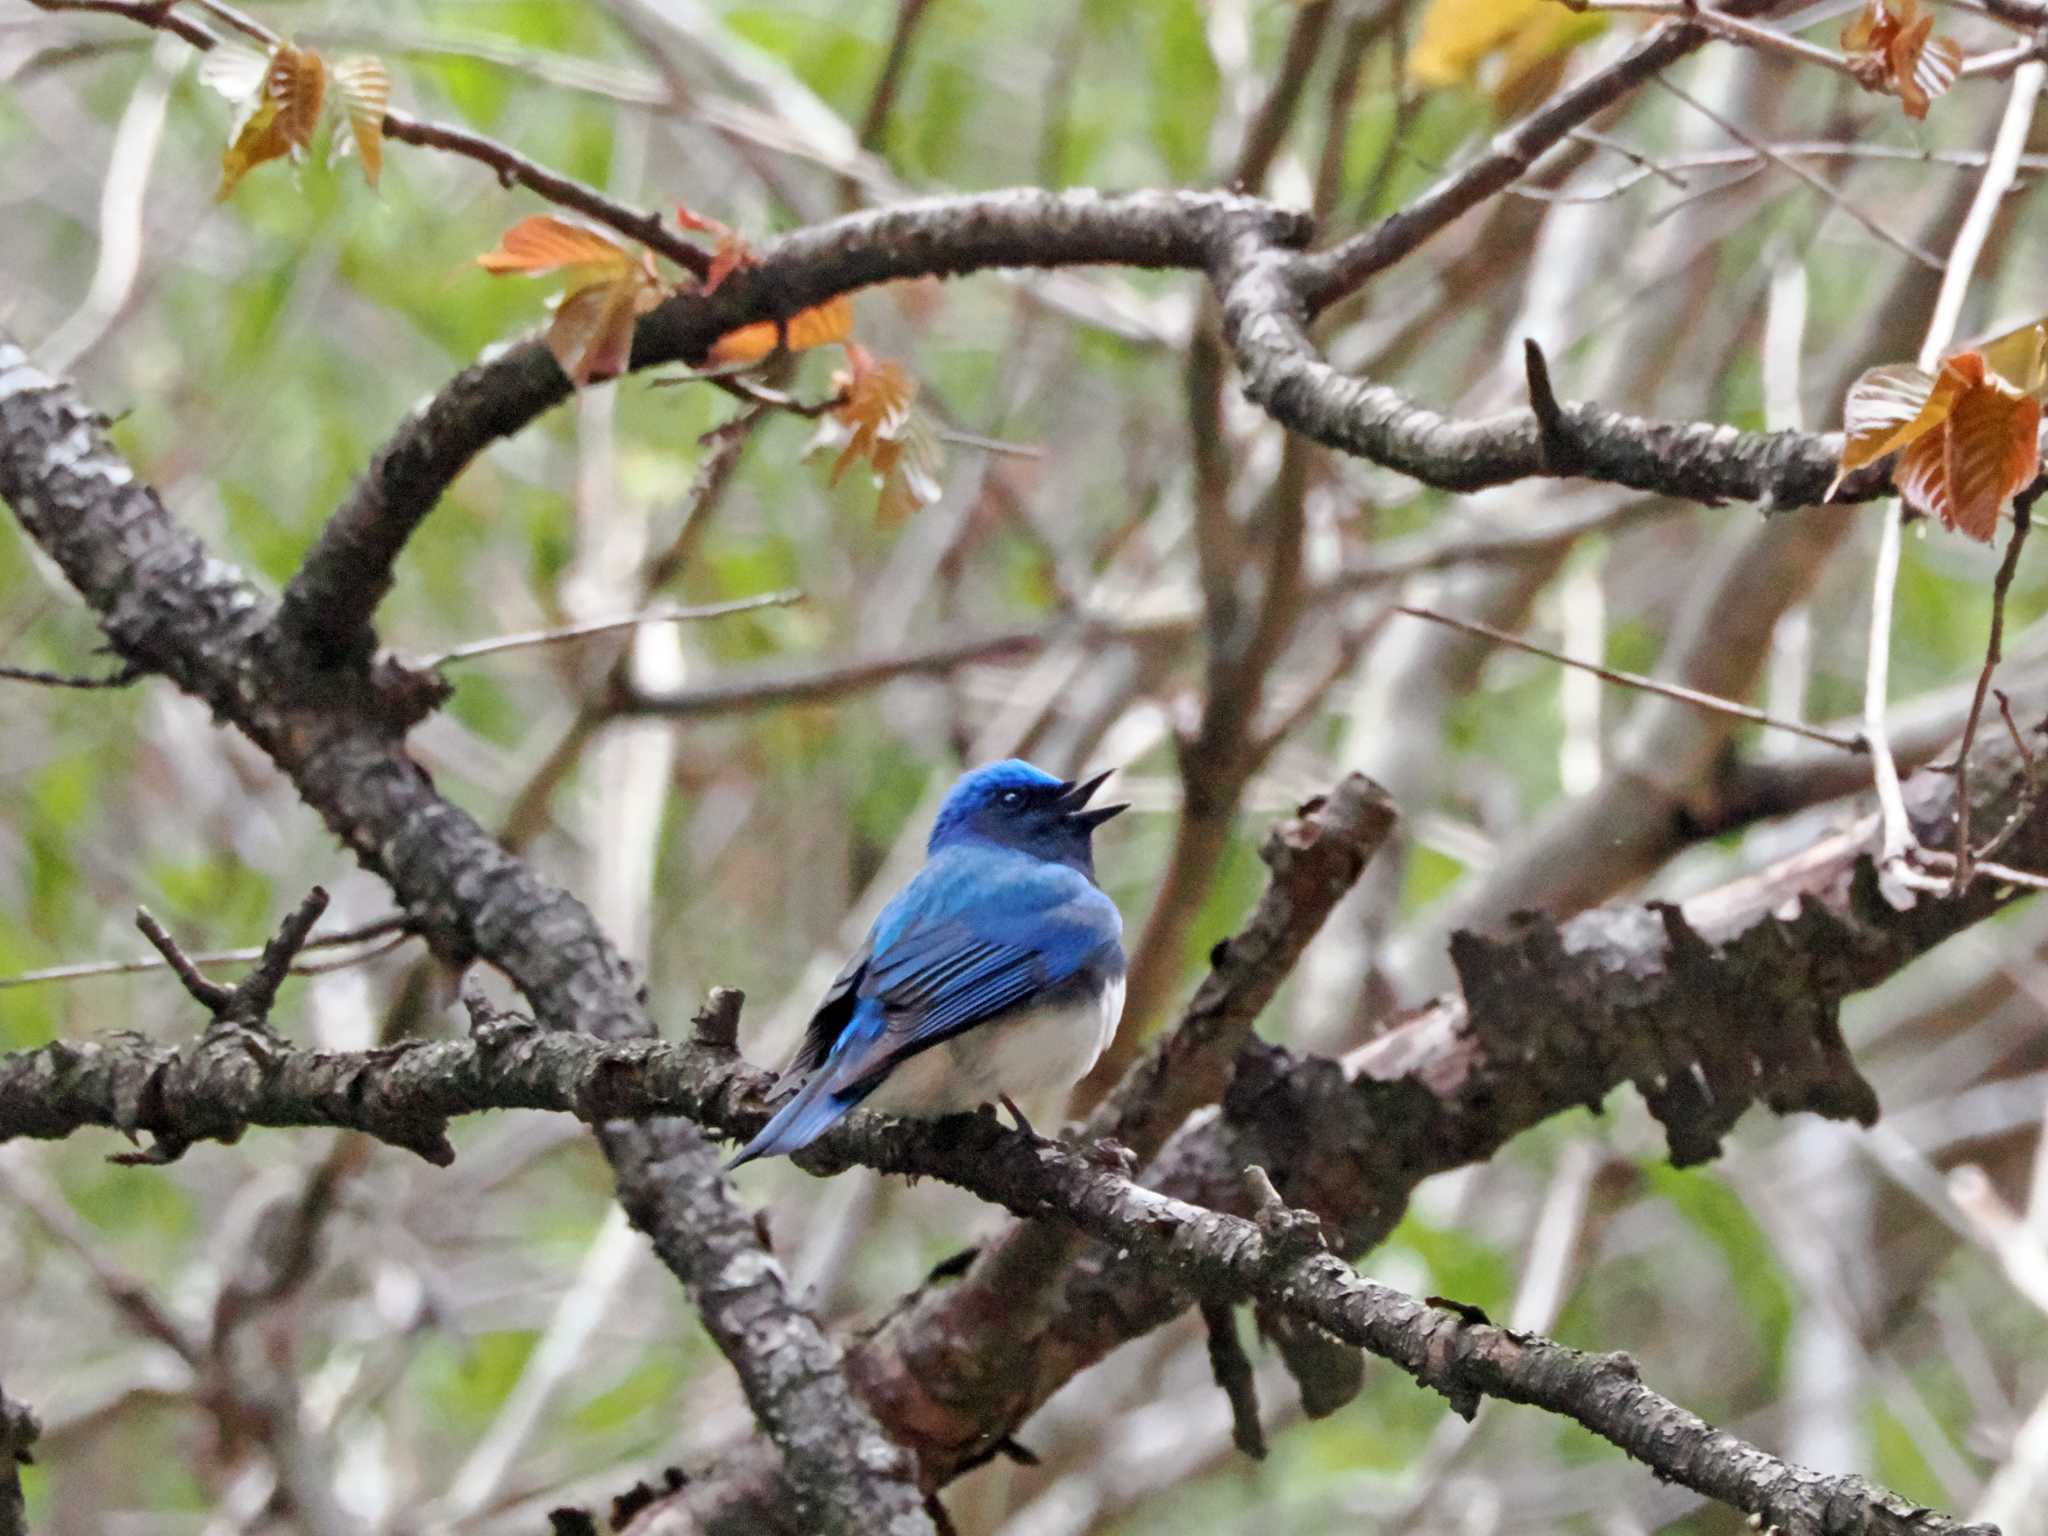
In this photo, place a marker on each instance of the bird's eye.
(1012, 798)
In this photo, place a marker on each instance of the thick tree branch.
(167, 606)
(1269, 293)
(1329, 275)
(1315, 858)
(348, 570)
(1277, 1258)
(1555, 1018)
(846, 1476)
(1267, 322)
(1706, 1010)
(1249, 246)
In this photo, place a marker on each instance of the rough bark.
(19, 1431)
(166, 606)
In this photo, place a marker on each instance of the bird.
(996, 974)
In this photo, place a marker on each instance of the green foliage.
(270, 346)
(1716, 1213)
(462, 1385)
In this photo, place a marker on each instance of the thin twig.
(2030, 784)
(1643, 163)
(211, 995)
(248, 1001)
(750, 393)
(1741, 156)
(131, 1297)
(1998, 64)
(500, 644)
(1819, 183)
(393, 925)
(513, 168)
(1232, 1369)
(1736, 30)
(722, 446)
(2022, 520)
(151, 13)
(247, 25)
(874, 122)
(995, 445)
(2004, 873)
(1969, 244)
(1636, 680)
(127, 674)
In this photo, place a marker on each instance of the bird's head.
(1015, 805)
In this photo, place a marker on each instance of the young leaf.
(818, 326)
(365, 90)
(234, 69)
(2020, 356)
(1891, 47)
(257, 138)
(297, 82)
(279, 119)
(1985, 447)
(591, 334)
(877, 414)
(543, 243)
(732, 251)
(876, 398)
(1888, 408)
(911, 482)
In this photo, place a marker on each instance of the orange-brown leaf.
(258, 138)
(1887, 409)
(1891, 47)
(818, 326)
(279, 119)
(1986, 447)
(732, 251)
(365, 90)
(731, 255)
(912, 480)
(2019, 356)
(591, 334)
(876, 395)
(297, 82)
(544, 243)
(877, 411)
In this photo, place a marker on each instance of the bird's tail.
(801, 1121)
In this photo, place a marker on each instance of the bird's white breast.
(1035, 1055)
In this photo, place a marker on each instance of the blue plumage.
(997, 972)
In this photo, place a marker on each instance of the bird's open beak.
(1073, 797)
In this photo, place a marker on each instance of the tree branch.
(1706, 1010)
(165, 604)
(1329, 275)
(1278, 1258)
(19, 1431)
(348, 570)
(1315, 858)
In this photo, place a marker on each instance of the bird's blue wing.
(971, 937)
(1002, 931)
(945, 979)
(834, 1013)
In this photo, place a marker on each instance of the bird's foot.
(1017, 1115)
